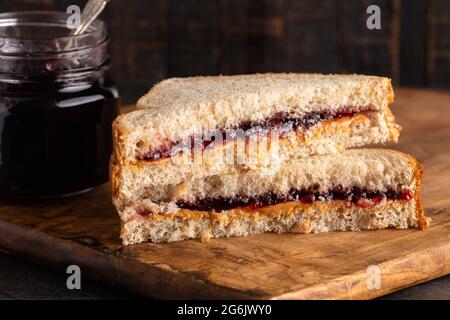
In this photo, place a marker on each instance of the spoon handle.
(90, 12)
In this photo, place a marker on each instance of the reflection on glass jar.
(56, 106)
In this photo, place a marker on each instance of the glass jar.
(56, 106)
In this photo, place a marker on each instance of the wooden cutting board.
(84, 230)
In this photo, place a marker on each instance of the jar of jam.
(57, 105)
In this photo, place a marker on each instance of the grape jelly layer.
(352, 197)
(281, 122)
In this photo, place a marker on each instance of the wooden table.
(23, 280)
(84, 231)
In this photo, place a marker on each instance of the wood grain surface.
(84, 230)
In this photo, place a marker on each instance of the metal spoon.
(90, 12)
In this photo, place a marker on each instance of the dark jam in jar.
(57, 105)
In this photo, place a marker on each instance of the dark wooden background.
(152, 40)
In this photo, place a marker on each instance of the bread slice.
(353, 190)
(289, 217)
(183, 108)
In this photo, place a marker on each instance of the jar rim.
(52, 53)
(14, 43)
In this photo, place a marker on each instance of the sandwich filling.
(281, 122)
(351, 197)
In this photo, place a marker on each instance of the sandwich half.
(360, 189)
(197, 127)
